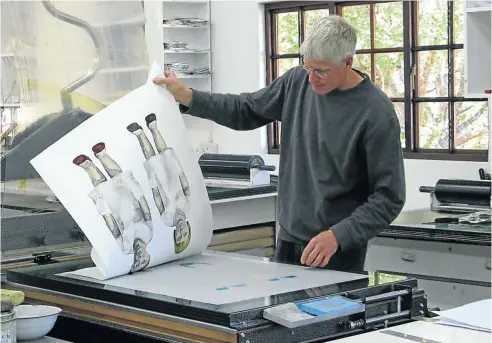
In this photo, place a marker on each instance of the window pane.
(359, 17)
(362, 62)
(432, 22)
(388, 25)
(433, 73)
(459, 73)
(389, 73)
(459, 21)
(434, 125)
(471, 125)
(287, 33)
(284, 64)
(311, 17)
(400, 112)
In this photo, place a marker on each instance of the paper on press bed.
(476, 316)
(131, 181)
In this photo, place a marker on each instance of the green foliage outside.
(471, 118)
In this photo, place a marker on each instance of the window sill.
(469, 156)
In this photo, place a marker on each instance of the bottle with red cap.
(98, 178)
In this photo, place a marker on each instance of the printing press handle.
(268, 168)
(426, 189)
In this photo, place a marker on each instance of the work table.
(451, 261)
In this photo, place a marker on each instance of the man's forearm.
(238, 112)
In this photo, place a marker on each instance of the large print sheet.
(226, 278)
(131, 181)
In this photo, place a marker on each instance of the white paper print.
(131, 181)
(202, 278)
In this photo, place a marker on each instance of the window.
(414, 51)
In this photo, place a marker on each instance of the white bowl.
(35, 321)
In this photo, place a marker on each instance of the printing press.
(40, 241)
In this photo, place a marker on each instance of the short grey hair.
(331, 39)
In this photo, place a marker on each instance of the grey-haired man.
(341, 172)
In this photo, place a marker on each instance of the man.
(341, 174)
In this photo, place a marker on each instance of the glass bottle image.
(110, 165)
(97, 178)
(148, 152)
(113, 169)
(162, 148)
(182, 232)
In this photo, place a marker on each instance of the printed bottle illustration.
(167, 177)
(113, 169)
(182, 232)
(162, 148)
(127, 199)
(161, 200)
(98, 178)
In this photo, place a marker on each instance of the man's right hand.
(181, 93)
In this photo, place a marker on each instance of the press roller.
(222, 170)
(459, 195)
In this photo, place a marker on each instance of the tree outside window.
(413, 50)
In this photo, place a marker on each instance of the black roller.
(462, 191)
(234, 166)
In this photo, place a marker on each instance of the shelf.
(170, 26)
(186, 51)
(7, 55)
(9, 105)
(201, 76)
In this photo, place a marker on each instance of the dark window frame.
(410, 51)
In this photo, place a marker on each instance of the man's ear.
(348, 61)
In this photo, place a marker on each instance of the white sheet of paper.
(220, 279)
(168, 185)
(476, 315)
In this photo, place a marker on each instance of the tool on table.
(483, 174)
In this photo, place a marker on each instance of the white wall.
(238, 62)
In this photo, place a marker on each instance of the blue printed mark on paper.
(283, 277)
(229, 287)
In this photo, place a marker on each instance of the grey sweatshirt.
(341, 163)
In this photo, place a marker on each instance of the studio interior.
(262, 171)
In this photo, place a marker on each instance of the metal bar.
(387, 317)
(438, 47)
(451, 128)
(96, 62)
(385, 296)
(413, 22)
(447, 99)
(407, 76)
(300, 26)
(379, 50)
(371, 34)
(282, 56)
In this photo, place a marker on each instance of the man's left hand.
(320, 249)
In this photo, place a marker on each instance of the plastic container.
(8, 322)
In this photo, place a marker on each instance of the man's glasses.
(319, 73)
